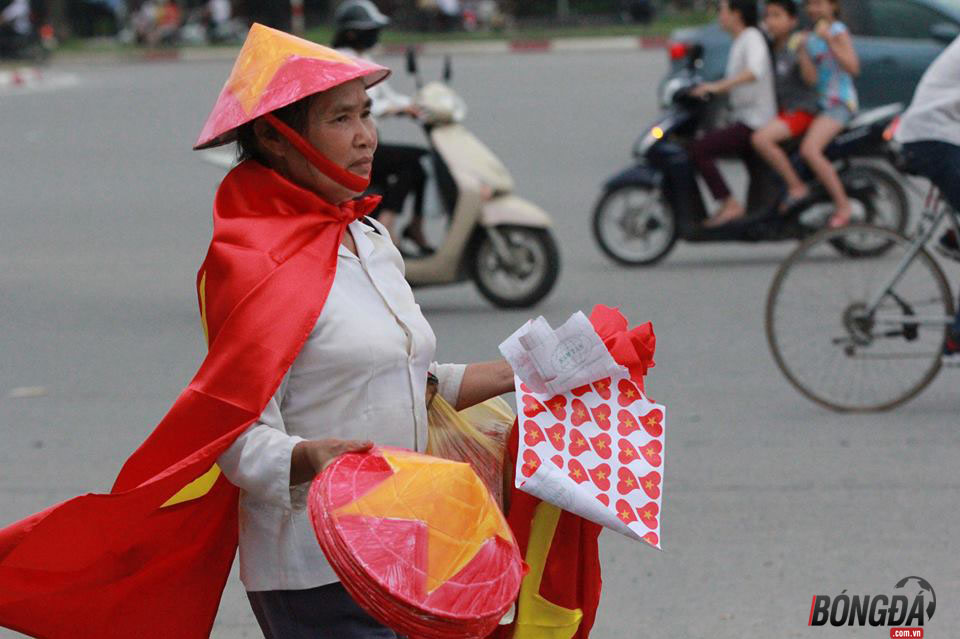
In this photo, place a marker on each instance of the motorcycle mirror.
(694, 56)
(411, 60)
(447, 69)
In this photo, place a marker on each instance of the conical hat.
(275, 69)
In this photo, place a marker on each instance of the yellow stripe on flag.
(195, 489)
(538, 618)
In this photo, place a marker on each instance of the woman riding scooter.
(749, 81)
(397, 171)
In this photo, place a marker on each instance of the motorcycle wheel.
(634, 225)
(530, 279)
(888, 208)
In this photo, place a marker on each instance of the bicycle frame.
(934, 210)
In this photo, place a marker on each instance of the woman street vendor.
(306, 142)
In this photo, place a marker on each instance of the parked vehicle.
(644, 209)
(896, 41)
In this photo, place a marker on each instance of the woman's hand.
(822, 29)
(311, 457)
(704, 90)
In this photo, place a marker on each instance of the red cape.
(134, 562)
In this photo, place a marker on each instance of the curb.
(460, 47)
(21, 77)
(619, 43)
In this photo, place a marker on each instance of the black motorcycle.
(645, 209)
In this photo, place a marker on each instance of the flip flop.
(834, 223)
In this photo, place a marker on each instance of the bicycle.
(864, 331)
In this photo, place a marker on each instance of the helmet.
(358, 14)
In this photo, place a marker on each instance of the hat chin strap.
(340, 175)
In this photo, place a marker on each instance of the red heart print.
(628, 392)
(578, 443)
(652, 539)
(532, 434)
(602, 386)
(531, 462)
(648, 515)
(604, 499)
(558, 406)
(627, 423)
(651, 452)
(601, 476)
(579, 414)
(556, 433)
(532, 407)
(625, 512)
(558, 460)
(601, 415)
(653, 422)
(628, 481)
(627, 452)
(580, 391)
(603, 445)
(525, 388)
(651, 484)
(577, 472)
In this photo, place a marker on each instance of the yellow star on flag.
(460, 518)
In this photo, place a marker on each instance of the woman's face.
(725, 16)
(778, 22)
(339, 125)
(820, 10)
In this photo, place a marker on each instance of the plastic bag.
(476, 435)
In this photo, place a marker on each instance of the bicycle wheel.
(826, 344)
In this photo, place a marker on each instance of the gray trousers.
(327, 612)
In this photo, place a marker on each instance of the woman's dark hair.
(787, 5)
(293, 115)
(747, 10)
(358, 39)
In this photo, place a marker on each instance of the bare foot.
(795, 195)
(730, 211)
(840, 218)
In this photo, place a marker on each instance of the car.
(895, 39)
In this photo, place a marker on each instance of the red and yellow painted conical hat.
(275, 69)
(418, 541)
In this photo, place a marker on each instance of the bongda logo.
(912, 604)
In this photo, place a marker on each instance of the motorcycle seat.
(875, 115)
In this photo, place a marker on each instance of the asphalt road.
(768, 500)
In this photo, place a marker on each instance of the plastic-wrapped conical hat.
(418, 541)
(275, 69)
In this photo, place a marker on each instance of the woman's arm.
(841, 44)
(808, 70)
(484, 380)
(722, 86)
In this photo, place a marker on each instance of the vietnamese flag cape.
(559, 596)
(150, 559)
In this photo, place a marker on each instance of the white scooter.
(495, 238)
(502, 242)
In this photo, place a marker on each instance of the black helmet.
(360, 15)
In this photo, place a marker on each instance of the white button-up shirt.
(360, 375)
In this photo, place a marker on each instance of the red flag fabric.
(560, 595)
(150, 559)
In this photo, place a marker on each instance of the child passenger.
(795, 76)
(830, 49)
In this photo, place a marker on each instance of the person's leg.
(823, 129)
(327, 612)
(731, 141)
(767, 141)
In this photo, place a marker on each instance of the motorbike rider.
(930, 134)
(397, 171)
(795, 76)
(749, 82)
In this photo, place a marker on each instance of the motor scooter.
(643, 210)
(500, 241)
